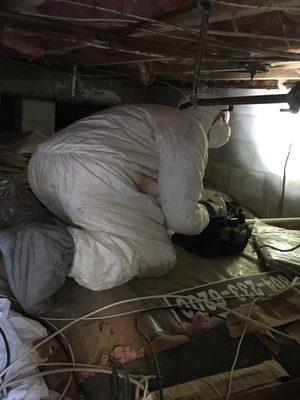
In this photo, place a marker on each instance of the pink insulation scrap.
(199, 325)
(121, 355)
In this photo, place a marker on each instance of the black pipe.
(230, 101)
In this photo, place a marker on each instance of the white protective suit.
(120, 178)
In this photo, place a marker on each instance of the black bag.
(222, 236)
(18, 205)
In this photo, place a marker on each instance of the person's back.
(120, 178)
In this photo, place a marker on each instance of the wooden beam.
(248, 35)
(276, 73)
(189, 16)
(94, 36)
(222, 13)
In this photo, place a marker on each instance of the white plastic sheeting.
(21, 333)
(120, 178)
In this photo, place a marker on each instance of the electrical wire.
(175, 306)
(125, 313)
(12, 378)
(70, 357)
(8, 356)
(118, 303)
(114, 384)
(291, 337)
(277, 249)
(280, 207)
(127, 381)
(82, 392)
(49, 326)
(140, 310)
(7, 349)
(181, 91)
(145, 391)
(148, 341)
(63, 393)
(158, 373)
(238, 350)
(77, 368)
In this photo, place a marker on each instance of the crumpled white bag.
(21, 332)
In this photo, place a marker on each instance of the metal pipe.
(205, 5)
(230, 101)
(292, 98)
(289, 223)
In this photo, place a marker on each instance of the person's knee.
(157, 259)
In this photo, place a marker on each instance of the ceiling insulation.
(149, 41)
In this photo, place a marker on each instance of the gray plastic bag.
(37, 258)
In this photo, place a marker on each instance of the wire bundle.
(141, 384)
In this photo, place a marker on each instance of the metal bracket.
(293, 100)
(204, 5)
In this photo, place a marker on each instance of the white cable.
(146, 380)
(141, 309)
(238, 350)
(100, 370)
(283, 185)
(12, 378)
(35, 365)
(194, 301)
(261, 324)
(63, 393)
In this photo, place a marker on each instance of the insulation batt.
(120, 178)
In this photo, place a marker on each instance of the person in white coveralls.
(122, 178)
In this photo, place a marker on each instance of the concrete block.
(274, 187)
(218, 174)
(235, 153)
(272, 211)
(37, 110)
(254, 184)
(47, 127)
(271, 156)
(35, 114)
(256, 155)
(246, 127)
(255, 205)
(291, 206)
(235, 126)
(248, 182)
(237, 196)
(237, 176)
(260, 163)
